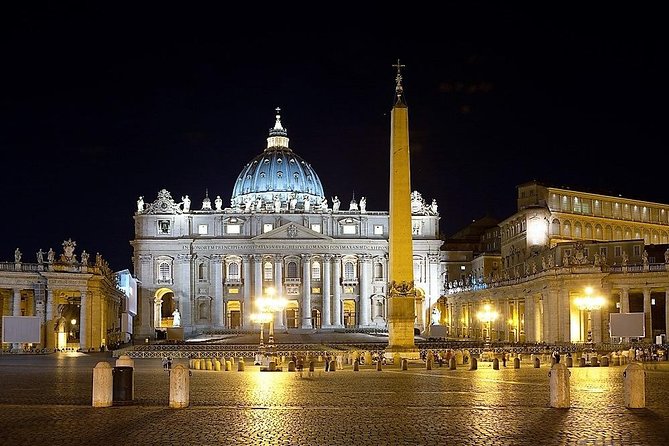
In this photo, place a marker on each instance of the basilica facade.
(203, 268)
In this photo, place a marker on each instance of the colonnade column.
(365, 274)
(257, 278)
(83, 321)
(247, 307)
(278, 285)
(217, 279)
(183, 270)
(49, 341)
(16, 309)
(145, 300)
(647, 314)
(336, 298)
(306, 291)
(666, 315)
(327, 303)
(530, 319)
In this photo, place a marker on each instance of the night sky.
(103, 103)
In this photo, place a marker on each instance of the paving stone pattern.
(47, 400)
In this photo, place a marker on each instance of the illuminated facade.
(77, 301)
(559, 243)
(328, 260)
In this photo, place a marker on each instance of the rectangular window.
(603, 252)
(233, 290)
(316, 227)
(315, 290)
(416, 227)
(202, 229)
(462, 267)
(348, 229)
(618, 251)
(378, 229)
(233, 229)
(267, 227)
(637, 250)
(163, 227)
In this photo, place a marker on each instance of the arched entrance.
(292, 314)
(350, 319)
(233, 314)
(164, 305)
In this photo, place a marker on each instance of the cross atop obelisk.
(398, 82)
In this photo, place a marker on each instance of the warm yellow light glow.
(261, 318)
(537, 231)
(73, 322)
(589, 302)
(488, 314)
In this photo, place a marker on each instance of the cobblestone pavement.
(48, 400)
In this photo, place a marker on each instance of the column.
(563, 334)
(247, 307)
(648, 318)
(530, 310)
(182, 284)
(257, 279)
(666, 315)
(364, 298)
(49, 341)
(83, 321)
(336, 299)
(624, 300)
(146, 320)
(16, 307)
(306, 291)
(278, 285)
(217, 280)
(327, 304)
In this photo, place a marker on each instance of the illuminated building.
(558, 243)
(328, 260)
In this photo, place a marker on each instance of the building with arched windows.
(279, 235)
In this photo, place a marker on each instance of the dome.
(278, 172)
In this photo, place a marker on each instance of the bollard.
(122, 385)
(312, 366)
(581, 361)
(127, 361)
(559, 384)
(594, 361)
(516, 363)
(333, 365)
(569, 361)
(428, 364)
(179, 386)
(615, 359)
(605, 361)
(240, 365)
(356, 366)
(634, 386)
(207, 364)
(473, 363)
(228, 366)
(537, 362)
(451, 363)
(102, 385)
(272, 366)
(291, 366)
(495, 364)
(378, 366)
(217, 365)
(196, 364)
(405, 364)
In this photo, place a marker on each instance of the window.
(603, 252)
(267, 227)
(316, 271)
(268, 271)
(349, 229)
(291, 270)
(202, 229)
(202, 271)
(164, 272)
(637, 250)
(316, 227)
(349, 271)
(163, 227)
(233, 229)
(378, 271)
(233, 271)
(415, 227)
(462, 267)
(378, 229)
(618, 250)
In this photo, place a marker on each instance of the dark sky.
(103, 103)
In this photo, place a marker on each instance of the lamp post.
(261, 318)
(588, 303)
(269, 305)
(487, 316)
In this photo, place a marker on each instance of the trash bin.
(122, 385)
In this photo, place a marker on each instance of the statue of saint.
(335, 204)
(140, 204)
(625, 258)
(363, 204)
(293, 201)
(40, 256)
(666, 256)
(433, 206)
(436, 316)
(176, 321)
(277, 203)
(644, 257)
(50, 255)
(17, 255)
(307, 204)
(324, 204)
(218, 202)
(84, 257)
(186, 202)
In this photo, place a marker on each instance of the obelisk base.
(401, 328)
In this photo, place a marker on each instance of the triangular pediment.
(292, 231)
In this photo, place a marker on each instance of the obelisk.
(401, 292)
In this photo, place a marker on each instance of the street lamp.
(588, 303)
(261, 318)
(487, 316)
(269, 305)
